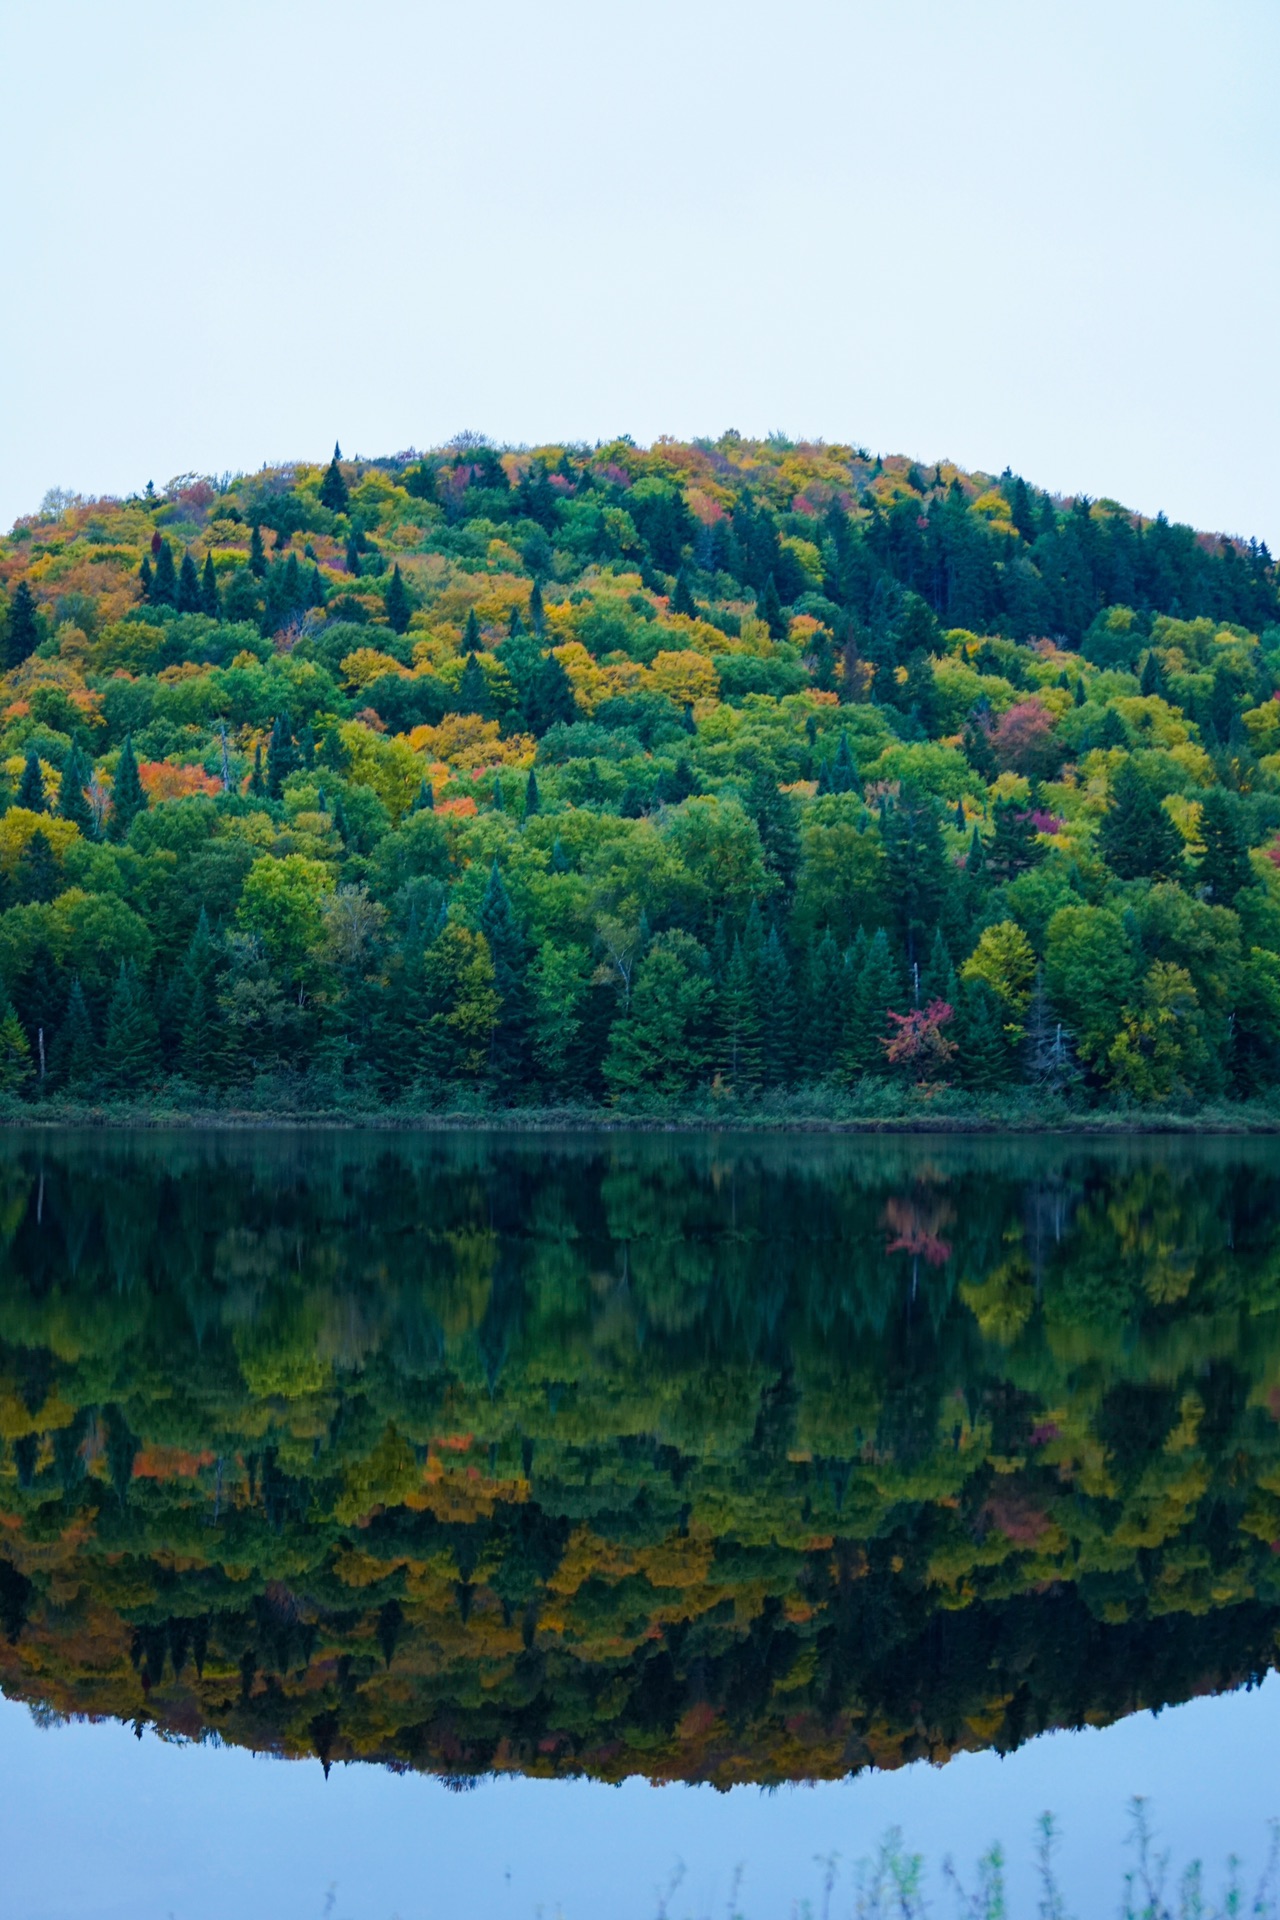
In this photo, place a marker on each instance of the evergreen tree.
(257, 779)
(537, 617)
(774, 813)
(131, 1042)
(127, 797)
(917, 866)
(200, 1042)
(1223, 868)
(769, 609)
(425, 798)
(352, 561)
(532, 802)
(985, 1058)
(498, 805)
(472, 641)
(164, 584)
(73, 801)
(420, 482)
(1014, 847)
(282, 755)
(36, 877)
(510, 1050)
(1137, 837)
(73, 1056)
(682, 600)
(876, 988)
(775, 1000)
(844, 772)
(31, 790)
(826, 1001)
(473, 689)
(938, 975)
(209, 601)
(1112, 733)
(189, 598)
(399, 605)
(550, 698)
(144, 576)
(22, 633)
(1152, 680)
(738, 1018)
(333, 488)
(257, 554)
(15, 1050)
(560, 861)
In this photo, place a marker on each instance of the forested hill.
(685, 774)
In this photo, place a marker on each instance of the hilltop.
(677, 776)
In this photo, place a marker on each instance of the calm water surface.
(478, 1476)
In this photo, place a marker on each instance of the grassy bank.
(870, 1107)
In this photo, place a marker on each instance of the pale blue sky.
(1037, 234)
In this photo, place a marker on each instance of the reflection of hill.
(712, 1460)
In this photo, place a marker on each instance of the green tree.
(22, 630)
(738, 1018)
(473, 689)
(282, 755)
(164, 582)
(282, 904)
(131, 1040)
(73, 1056)
(1137, 837)
(769, 609)
(917, 867)
(398, 603)
(511, 1043)
(465, 1005)
(209, 601)
(36, 876)
(127, 797)
(31, 789)
(775, 999)
(660, 1046)
(15, 1050)
(532, 799)
(877, 987)
(333, 488)
(257, 553)
(1223, 868)
(189, 598)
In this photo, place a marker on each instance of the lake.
(382, 1517)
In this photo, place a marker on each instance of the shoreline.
(1218, 1121)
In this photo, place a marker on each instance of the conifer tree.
(471, 638)
(549, 700)
(209, 600)
(420, 482)
(531, 797)
(316, 591)
(22, 633)
(938, 975)
(127, 797)
(985, 1057)
(425, 799)
(399, 605)
(769, 609)
(537, 617)
(73, 800)
(352, 559)
(36, 877)
(876, 989)
(1223, 868)
(498, 806)
(1013, 846)
(775, 1000)
(257, 553)
(917, 866)
(738, 1017)
(188, 598)
(825, 1008)
(282, 755)
(131, 1042)
(1152, 680)
(682, 600)
(560, 861)
(844, 772)
(1112, 733)
(473, 689)
(164, 583)
(73, 1056)
(333, 488)
(1137, 837)
(15, 1050)
(144, 576)
(257, 779)
(774, 813)
(510, 1049)
(31, 789)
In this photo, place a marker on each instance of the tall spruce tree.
(164, 583)
(473, 689)
(1137, 837)
(826, 990)
(511, 1047)
(188, 598)
(131, 1042)
(333, 488)
(73, 799)
(282, 755)
(1223, 868)
(257, 553)
(31, 788)
(209, 600)
(22, 630)
(917, 867)
(73, 1055)
(769, 609)
(532, 801)
(36, 877)
(877, 988)
(399, 605)
(775, 999)
(128, 799)
(738, 1019)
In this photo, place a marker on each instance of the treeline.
(685, 775)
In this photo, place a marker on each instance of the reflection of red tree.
(918, 1231)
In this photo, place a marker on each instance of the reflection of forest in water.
(704, 1458)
